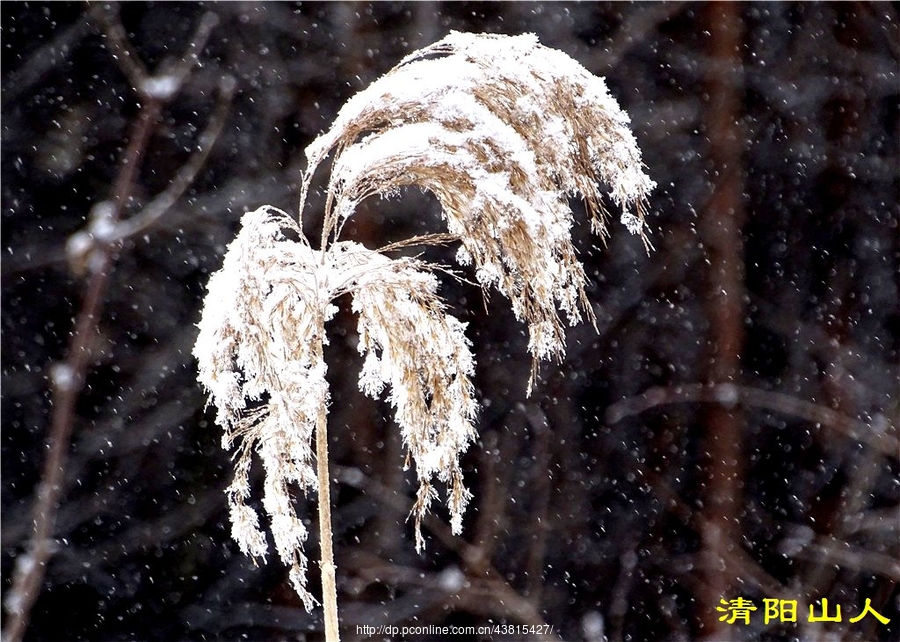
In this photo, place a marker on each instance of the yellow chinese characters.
(774, 610)
(867, 609)
(736, 609)
(781, 610)
(825, 617)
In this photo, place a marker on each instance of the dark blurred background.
(730, 429)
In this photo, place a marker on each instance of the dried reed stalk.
(503, 131)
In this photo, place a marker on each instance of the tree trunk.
(720, 228)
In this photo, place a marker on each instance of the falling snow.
(728, 429)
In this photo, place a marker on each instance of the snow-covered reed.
(503, 131)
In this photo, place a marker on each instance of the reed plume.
(503, 132)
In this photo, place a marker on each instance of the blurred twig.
(186, 175)
(491, 512)
(539, 524)
(107, 19)
(618, 606)
(170, 77)
(840, 553)
(42, 61)
(67, 378)
(641, 25)
(730, 394)
(487, 593)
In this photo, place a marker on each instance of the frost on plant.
(260, 312)
(503, 131)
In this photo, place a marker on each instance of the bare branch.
(161, 204)
(540, 528)
(106, 17)
(43, 60)
(68, 377)
(487, 591)
(640, 25)
(170, 76)
(852, 557)
(729, 394)
(173, 72)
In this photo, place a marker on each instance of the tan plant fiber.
(503, 132)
